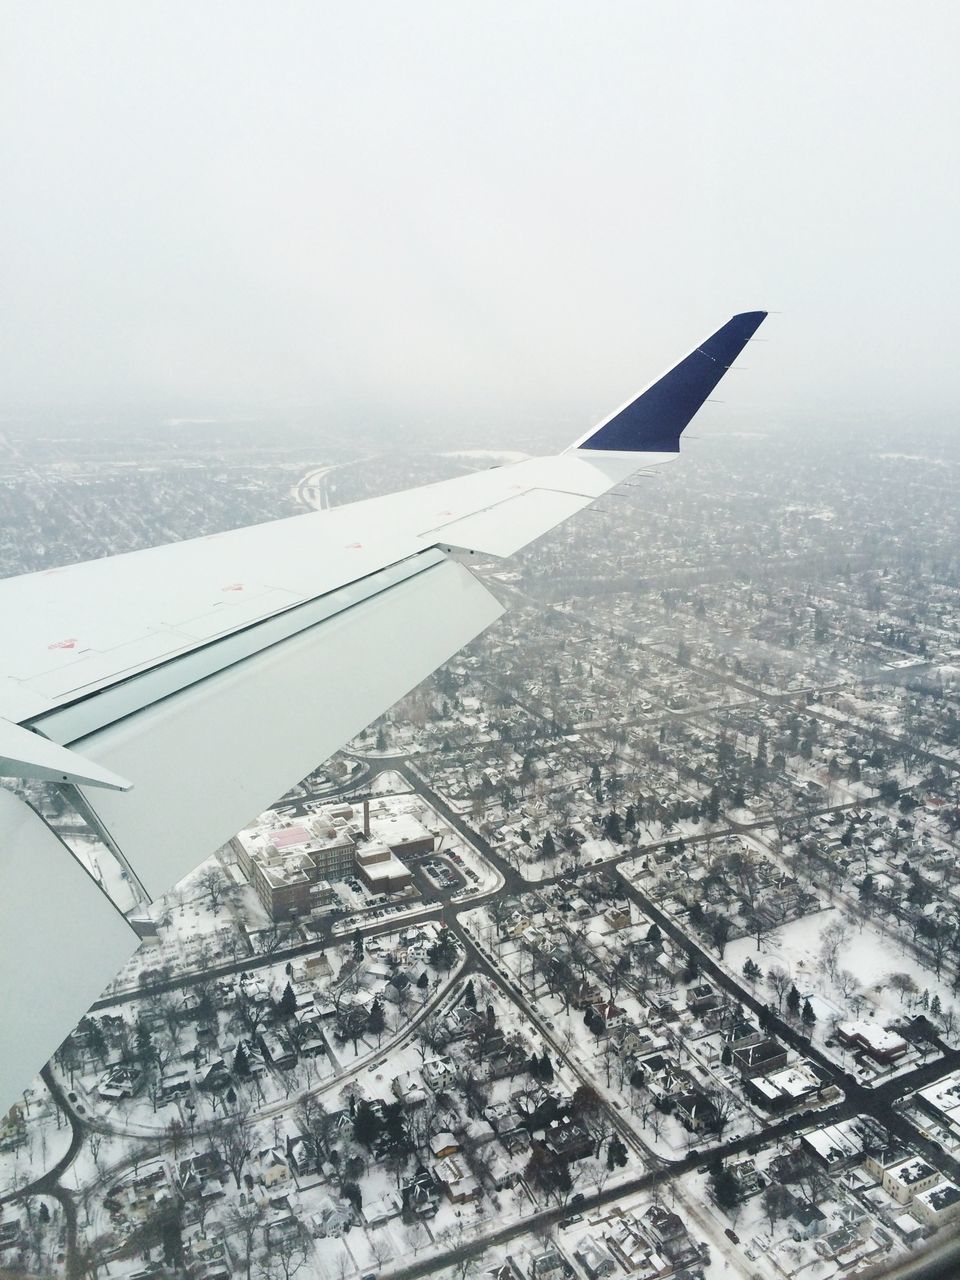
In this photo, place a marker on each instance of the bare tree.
(285, 1257)
(723, 1108)
(833, 939)
(231, 1142)
(903, 984)
(780, 980)
(211, 880)
(244, 1222)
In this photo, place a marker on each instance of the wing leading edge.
(215, 673)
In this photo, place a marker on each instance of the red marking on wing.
(354, 546)
(63, 644)
(234, 586)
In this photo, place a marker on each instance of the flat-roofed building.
(790, 1087)
(938, 1204)
(402, 833)
(882, 1046)
(380, 869)
(907, 1179)
(290, 864)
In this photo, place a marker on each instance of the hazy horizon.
(498, 219)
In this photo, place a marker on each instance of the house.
(454, 1176)
(174, 1083)
(388, 1206)
(695, 1111)
(478, 1132)
(701, 997)
(302, 1154)
(443, 1144)
(568, 1140)
(120, 1083)
(617, 916)
(810, 1221)
(548, 1265)
(202, 1177)
(333, 1218)
(632, 1250)
(271, 1167)
(747, 1178)
(670, 1236)
(742, 1033)
(420, 1196)
(759, 1058)
(9, 1233)
(408, 1088)
(437, 1073)
(594, 1258)
(277, 1049)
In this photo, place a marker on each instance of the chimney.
(366, 818)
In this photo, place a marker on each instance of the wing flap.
(61, 942)
(208, 758)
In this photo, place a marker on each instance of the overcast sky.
(494, 212)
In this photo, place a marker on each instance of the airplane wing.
(177, 692)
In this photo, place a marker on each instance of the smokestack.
(366, 818)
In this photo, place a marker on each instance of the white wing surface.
(180, 690)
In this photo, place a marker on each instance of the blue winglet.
(654, 421)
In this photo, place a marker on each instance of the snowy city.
(628, 944)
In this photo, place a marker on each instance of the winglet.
(654, 421)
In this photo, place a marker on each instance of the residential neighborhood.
(626, 945)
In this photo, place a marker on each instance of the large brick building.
(290, 865)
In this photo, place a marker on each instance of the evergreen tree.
(288, 1002)
(616, 1153)
(470, 996)
(377, 1021)
(423, 981)
(351, 1191)
(611, 827)
(809, 1017)
(241, 1063)
(549, 847)
(935, 1007)
(713, 805)
(726, 1189)
(793, 1000)
(367, 1125)
(357, 945)
(144, 1044)
(546, 1067)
